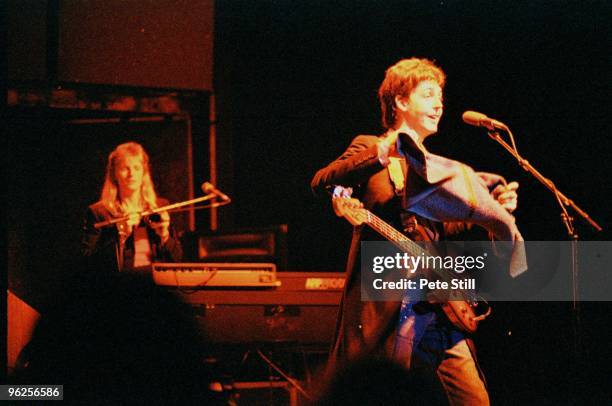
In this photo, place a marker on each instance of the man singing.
(429, 197)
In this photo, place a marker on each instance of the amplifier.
(303, 309)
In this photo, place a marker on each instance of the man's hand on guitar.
(506, 196)
(349, 208)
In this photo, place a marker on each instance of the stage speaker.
(262, 244)
(21, 320)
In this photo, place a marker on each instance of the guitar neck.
(390, 233)
(459, 311)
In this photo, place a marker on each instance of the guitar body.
(461, 313)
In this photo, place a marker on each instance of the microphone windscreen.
(473, 118)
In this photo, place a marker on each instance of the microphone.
(480, 120)
(208, 188)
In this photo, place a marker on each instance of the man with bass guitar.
(428, 197)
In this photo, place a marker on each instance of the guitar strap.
(398, 169)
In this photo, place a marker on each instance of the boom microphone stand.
(568, 220)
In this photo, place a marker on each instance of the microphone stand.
(563, 200)
(568, 222)
(171, 208)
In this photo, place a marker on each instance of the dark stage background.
(294, 82)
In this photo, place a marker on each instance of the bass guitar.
(464, 313)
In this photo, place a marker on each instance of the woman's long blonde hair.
(110, 191)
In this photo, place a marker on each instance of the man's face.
(423, 108)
